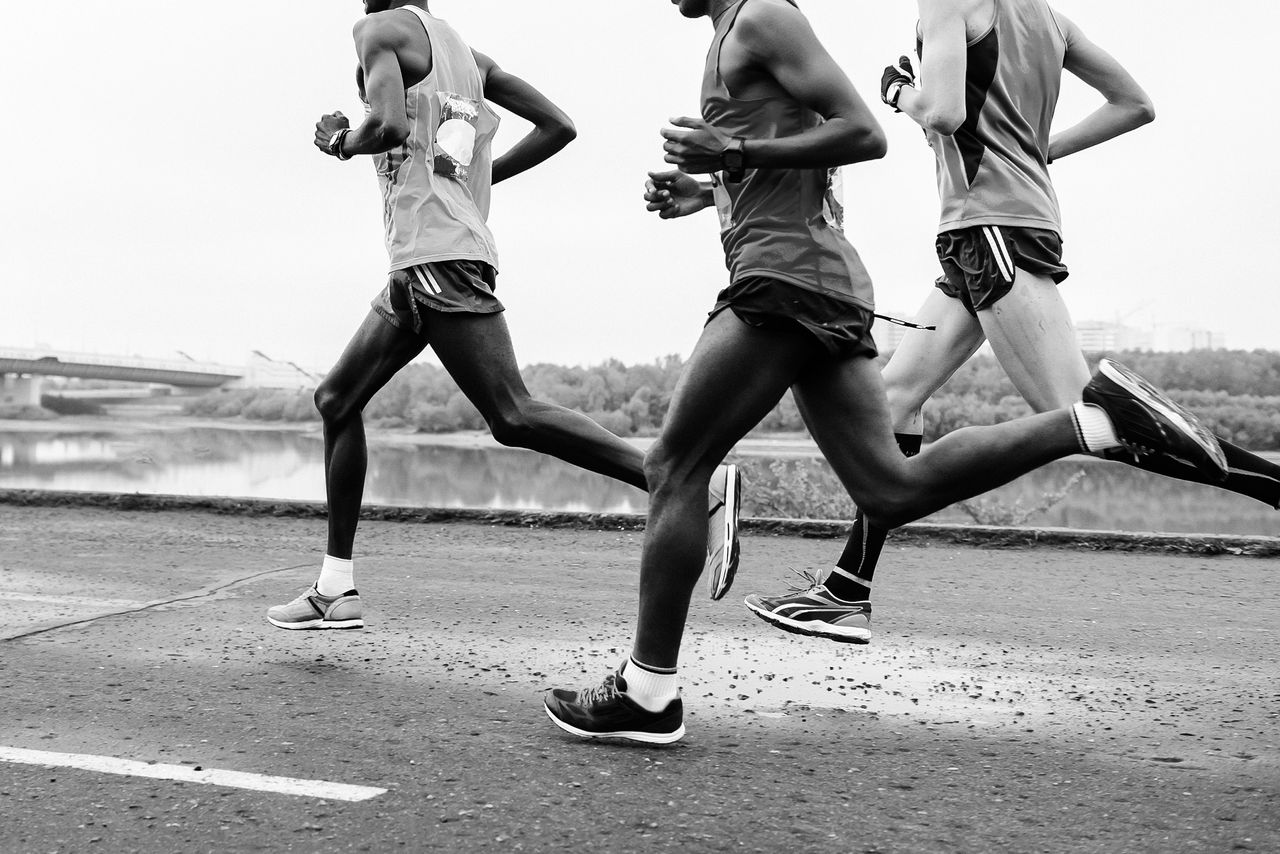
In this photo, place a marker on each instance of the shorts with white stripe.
(980, 263)
(456, 286)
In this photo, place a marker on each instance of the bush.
(71, 406)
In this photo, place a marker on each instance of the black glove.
(894, 78)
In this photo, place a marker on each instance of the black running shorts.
(448, 286)
(841, 327)
(979, 263)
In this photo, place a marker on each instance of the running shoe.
(313, 611)
(722, 529)
(1149, 424)
(815, 612)
(606, 711)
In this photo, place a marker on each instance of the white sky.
(161, 191)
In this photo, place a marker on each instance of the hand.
(894, 78)
(673, 194)
(694, 146)
(329, 124)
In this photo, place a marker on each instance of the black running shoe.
(605, 711)
(1149, 424)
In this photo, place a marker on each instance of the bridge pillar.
(21, 390)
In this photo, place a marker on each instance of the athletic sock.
(653, 688)
(337, 576)
(1248, 474)
(1094, 428)
(850, 579)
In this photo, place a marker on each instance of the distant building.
(1173, 338)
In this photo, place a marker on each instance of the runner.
(429, 131)
(992, 71)
(779, 116)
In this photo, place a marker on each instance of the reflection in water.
(289, 465)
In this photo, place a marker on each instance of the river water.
(288, 464)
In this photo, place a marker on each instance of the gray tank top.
(993, 170)
(786, 224)
(436, 186)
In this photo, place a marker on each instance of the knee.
(668, 469)
(511, 426)
(332, 404)
(887, 507)
(904, 401)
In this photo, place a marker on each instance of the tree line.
(1236, 392)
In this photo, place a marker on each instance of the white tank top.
(436, 186)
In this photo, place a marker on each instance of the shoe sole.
(811, 628)
(721, 581)
(644, 737)
(317, 624)
(1186, 423)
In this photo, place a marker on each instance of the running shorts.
(979, 263)
(449, 286)
(841, 327)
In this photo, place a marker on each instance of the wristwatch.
(335, 144)
(733, 161)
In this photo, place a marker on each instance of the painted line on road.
(182, 773)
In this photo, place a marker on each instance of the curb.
(919, 533)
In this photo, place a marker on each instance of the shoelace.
(600, 693)
(810, 579)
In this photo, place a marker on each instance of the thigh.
(927, 358)
(477, 352)
(1034, 340)
(376, 352)
(844, 406)
(735, 376)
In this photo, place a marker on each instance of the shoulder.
(486, 65)
(764, 22)
(760, 13)
(970, 11)
(385, 30)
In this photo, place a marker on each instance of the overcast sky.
(161, 192)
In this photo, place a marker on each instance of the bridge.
(24, 369)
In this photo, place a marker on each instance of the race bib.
(455, 143)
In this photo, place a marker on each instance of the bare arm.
(1127, 106)
(552, 128)
(939, 105)
(781, 43)
(387, 124)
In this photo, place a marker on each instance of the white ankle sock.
(1094, 428)
(653, 688)
(337, 576)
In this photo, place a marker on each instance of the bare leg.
(925, 360)
(376, 352)
(476, 351)
(711, 409)
(844, 407)
(1031, 333)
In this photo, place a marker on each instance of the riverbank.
(916, 534)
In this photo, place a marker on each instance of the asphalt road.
(1012, 700)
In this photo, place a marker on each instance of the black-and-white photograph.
(481, 425)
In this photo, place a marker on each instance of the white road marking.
(213, 777)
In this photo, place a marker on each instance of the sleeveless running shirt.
(436, 186)
(994, 170)
(785, 224)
